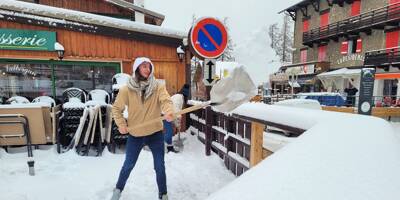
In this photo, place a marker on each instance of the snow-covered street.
(190, 175)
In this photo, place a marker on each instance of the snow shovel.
(226, 95)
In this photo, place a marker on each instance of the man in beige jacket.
(145, 99)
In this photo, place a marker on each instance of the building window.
(303, 56)
(34, 80)
(355, 8)
(351, 46)
(390, 88)
(27, 80)
(84, 77)
(322, 53)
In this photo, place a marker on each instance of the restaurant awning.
(387, 76)
(336, 77)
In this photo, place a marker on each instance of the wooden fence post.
(209, 120)
(256, 144)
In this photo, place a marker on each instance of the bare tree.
(282, 39)
(273, 32)
(276, 39)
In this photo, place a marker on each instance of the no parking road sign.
(208, 38)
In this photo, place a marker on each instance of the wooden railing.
(383, 57)
(236, 139)
(361, 23)
(383, 112)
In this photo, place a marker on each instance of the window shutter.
(392, 39)
(322, 53)
(324, 19)
(344, 48)
(359, 46)
(355, 8)
(303, 56)
(393, 1)
(306, 25)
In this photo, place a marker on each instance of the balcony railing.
(382, 58)
(365, 22)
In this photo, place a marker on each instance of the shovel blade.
(233, 91)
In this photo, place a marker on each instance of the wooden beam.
(209, 120)
(256, 144)
(316, 5)
(335, 38)
(304, 10)
(367, 31)
(292, 14)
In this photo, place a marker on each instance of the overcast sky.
(245, 17)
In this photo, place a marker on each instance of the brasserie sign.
(17, 39)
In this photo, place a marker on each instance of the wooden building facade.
(95, 48)
(350, 34)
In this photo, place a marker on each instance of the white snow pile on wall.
(340, 156)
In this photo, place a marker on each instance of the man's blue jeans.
(169, 131)
(133, 147)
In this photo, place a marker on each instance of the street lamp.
(181, 53)
(60, 50)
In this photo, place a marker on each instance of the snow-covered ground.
(396, 127)
(190, 175)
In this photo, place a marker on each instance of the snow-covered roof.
(296, 6)
(340, 156)
(65, 16)
(341, 72)
(134, 7)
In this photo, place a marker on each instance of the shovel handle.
(184, 111)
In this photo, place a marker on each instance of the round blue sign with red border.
(208, 38)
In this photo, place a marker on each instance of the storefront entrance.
(31, 79)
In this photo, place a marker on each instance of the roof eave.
(296, 6)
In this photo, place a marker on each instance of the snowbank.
(274, 142)
(190, 175)
(340, 156)
(300, 103)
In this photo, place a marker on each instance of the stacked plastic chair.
(117, 139)
(46, 100)
(72, 110)
(17, 100)
(95, 125)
